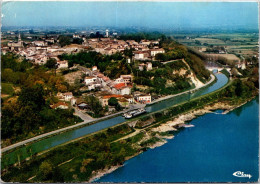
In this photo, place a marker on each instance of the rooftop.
(59, 104)
(121, 86)
(111, 96)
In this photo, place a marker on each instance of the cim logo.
(241, 174)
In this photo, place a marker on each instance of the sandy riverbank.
(172, 125)
(100, 173)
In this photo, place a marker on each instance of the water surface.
(212, 151)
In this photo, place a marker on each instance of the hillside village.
(79, 78)
(39, 52)
(134, 73)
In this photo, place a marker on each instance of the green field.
(244, 44)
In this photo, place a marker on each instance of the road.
(166, 62)
(83, 116)
(88, 120)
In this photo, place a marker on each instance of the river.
(24, 152)
(212, 151)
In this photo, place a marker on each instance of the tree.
(51, 63)
(112, 101)
(95, 105)
(197, 42)
(97, 35)
(129, 52)
(46, 170)
(159, 83)
(77, 40)
(92, 35)
(160, 57)
(31, 31)
(64, 40)
(239, 87)
(32, 96)
(8, 75)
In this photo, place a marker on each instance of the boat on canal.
(134, 113)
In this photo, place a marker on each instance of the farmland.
(240, 44)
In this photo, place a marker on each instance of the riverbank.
(174, 125)
(112, 146)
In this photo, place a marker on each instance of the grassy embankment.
(78, 161)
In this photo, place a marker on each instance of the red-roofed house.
(104, 99)
(122, 89)
(60, 105)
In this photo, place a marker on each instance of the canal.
(45, 144)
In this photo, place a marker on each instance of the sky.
(126, 14)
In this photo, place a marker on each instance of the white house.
(73, 101)
(119, 80)
(76, 36)
(141, 66)
(39, 43)
(67, 96)
(145, 42)
(62, 64)
(156, 51)
(129, 98)
(94, 68)
(141, 55)
(126, 78)
(94, 85)
(90, 79)
(144, 98)
(149, 66)
(40, 59)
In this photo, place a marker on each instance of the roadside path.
(88, 120)
(166, 62)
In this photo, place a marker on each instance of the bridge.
(217, 69)
(215, 66)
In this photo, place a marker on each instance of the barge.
(134, 113)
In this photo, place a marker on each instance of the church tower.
(19, 38)
(20, 42)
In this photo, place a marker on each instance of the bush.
(7, 89)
